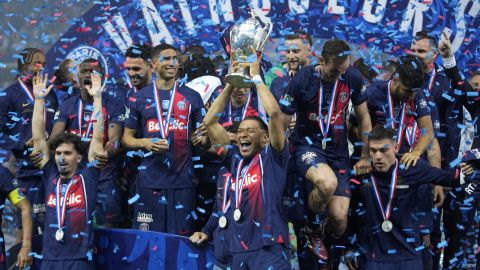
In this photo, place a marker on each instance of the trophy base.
(239, 80)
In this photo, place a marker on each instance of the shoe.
(316, 246)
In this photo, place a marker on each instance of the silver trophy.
(246, 39)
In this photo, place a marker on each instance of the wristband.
(257, 79)
(449, 62)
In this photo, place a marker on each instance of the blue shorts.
(307, 156)
(68, 264)
(165, 210)
(32, 187)
(108, 208)
(270, 257)
(395, 265)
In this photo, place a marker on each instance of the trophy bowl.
(247, 41)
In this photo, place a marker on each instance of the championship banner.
(381, 27)
(132, 249)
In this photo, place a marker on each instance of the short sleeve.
(132, 115)
(233, 154)
(421, 106)
(288, 100)
(357, 86)
(117, 111)
(278, 87)
(61, 115)
(90, 174)
(198, 110)
(6, 181)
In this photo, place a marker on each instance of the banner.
(379, 26)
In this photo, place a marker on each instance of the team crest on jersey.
(342, 96)
(423, 103)
(82, 53)
(308, 157)
(181, 105)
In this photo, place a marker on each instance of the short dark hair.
(381, 133)
(366, 70)
(259, 120)
(410, 72)
(335, 50)
(140, 51)
(195, 50)
(198, 65)
(299, 34)
(26, 57)
(161, 47)
(93, 62)
(476, 73)
(68, 138)
(61, 73)
(424, 35)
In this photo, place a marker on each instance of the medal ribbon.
(225, 202)
(391, 110)
(80, 120)
(244, 110)
(61, 207)
(393, 186)
(321, 120)
(432, 80)
(32, 99)
(161, 123)
(411, 134)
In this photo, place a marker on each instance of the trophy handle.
(270, 28)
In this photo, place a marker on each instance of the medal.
(324, 122)
(387, 225)
(163, 124)
(237, 214)
(59, 235)
(222, 222)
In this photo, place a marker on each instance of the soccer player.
(8, 190)
(319, 95)
(70, 188)
(138, 65)
(251, 209)
(242, 103)
(164, 115)
(389, 237)
(74, 116)
(16, 106)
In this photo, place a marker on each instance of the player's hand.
(29, 143)
(156, 145)
(200, 136)
(40, 89)
(102, 159)
(23, 259)
(363, 166)
(438, 196)
(445, 47)
(409, 159)
(467, 168)
(36, 157)
(198, 238)
(95, 89)
(351, 260)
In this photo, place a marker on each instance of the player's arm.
(22, 203)
(363, 166)
(95, 90)
(216, 132)
(40, 92)
(276, 129)
(435, 160)
(426, 135)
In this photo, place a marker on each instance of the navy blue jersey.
(80, 203)
(302, 97)
(378, 107)
(6, 186)
(263, 221)
(279, 86)
(16, 109)
(174, 168)
(233, 115)
(404, 241)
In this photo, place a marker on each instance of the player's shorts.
(394, 265)
(424, 211)
(108, 208)
(269, 257)
(307, 156)
(68, 264)
(165, 210)
(223, 258)
(33, 189)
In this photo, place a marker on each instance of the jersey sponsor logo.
(82, 53)
(309, 157)
(38, 208)
(73, 199)
(152, 125)
(249, 180)
(144, 217)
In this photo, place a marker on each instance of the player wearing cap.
(385, 201)
(160, 120)
(70, 188)
(251, 209)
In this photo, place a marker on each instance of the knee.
(339, 221)
(325, 184)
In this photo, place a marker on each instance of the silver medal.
(387, 226)
(59, 235)
(324, 144)
(237, 214)
(222, 222)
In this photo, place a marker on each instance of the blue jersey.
(6, 186)
(404, 241)
(16, 110)
(80, 203)
(380, 112)
(232, 115)
(279, 86)
(174, 168)
(263, 218)
(302, 97)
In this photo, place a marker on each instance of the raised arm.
(276, 129)
(216, 132)
(95, 90)
(363, 166)
(40, 92)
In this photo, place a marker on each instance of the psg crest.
(82, 53)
